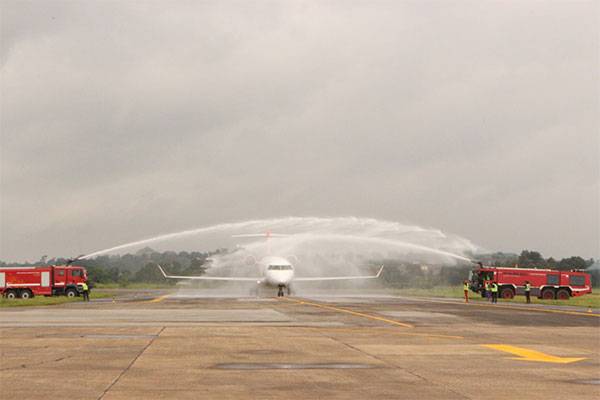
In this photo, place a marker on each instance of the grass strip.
(587, 300)
(50, 301)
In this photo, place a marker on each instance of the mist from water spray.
(351, 240)
(316, 246)
(330, 254)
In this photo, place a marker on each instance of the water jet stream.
(341, 229)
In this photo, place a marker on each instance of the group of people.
(491, 291)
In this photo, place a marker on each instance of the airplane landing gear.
(280, 292)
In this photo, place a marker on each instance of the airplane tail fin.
(268, 235)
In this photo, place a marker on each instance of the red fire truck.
(546, 284)
(26, 282)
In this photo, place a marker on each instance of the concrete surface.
(297, 348)
(57, 317)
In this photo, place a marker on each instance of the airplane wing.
(207, 278)
(341, 278)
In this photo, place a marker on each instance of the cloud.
(121, 120)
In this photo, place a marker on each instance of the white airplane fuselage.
(277, 271)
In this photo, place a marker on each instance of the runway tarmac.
(173, 346)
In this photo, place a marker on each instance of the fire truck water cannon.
(72, 260)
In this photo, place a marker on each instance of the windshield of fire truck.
(79, 272)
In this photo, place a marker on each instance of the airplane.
(276, 272)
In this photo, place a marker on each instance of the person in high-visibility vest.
(528, 291)
(494, 290)
(466, 290)
(85, 290)
(488, 293)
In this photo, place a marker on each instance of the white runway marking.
(143, 316)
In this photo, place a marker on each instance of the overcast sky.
(121, 120)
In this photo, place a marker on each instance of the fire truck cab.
(546, 284)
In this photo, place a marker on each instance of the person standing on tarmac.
(494, 292)
(528, 291)
(466, 290)
(488, 293)
(85, 290)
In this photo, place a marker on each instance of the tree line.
(534, 259)
(141, 267)
(135, 268)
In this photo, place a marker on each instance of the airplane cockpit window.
(279, 267)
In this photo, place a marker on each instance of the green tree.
(125, 278)
(149, 273)
(531, 259)
(552, 263)
(572, 263)
(196, 267)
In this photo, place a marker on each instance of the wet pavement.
(189, 347)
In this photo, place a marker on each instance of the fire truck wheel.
(548, 294)
(71, 293)
(11, 294)
(26, 294)
(563, 294)
(507, 293)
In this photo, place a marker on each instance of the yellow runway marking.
(359, 314)
(531, 355)
(159, 299)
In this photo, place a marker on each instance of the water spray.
(321, 246)
(351, 228)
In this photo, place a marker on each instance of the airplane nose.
(281, 278)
